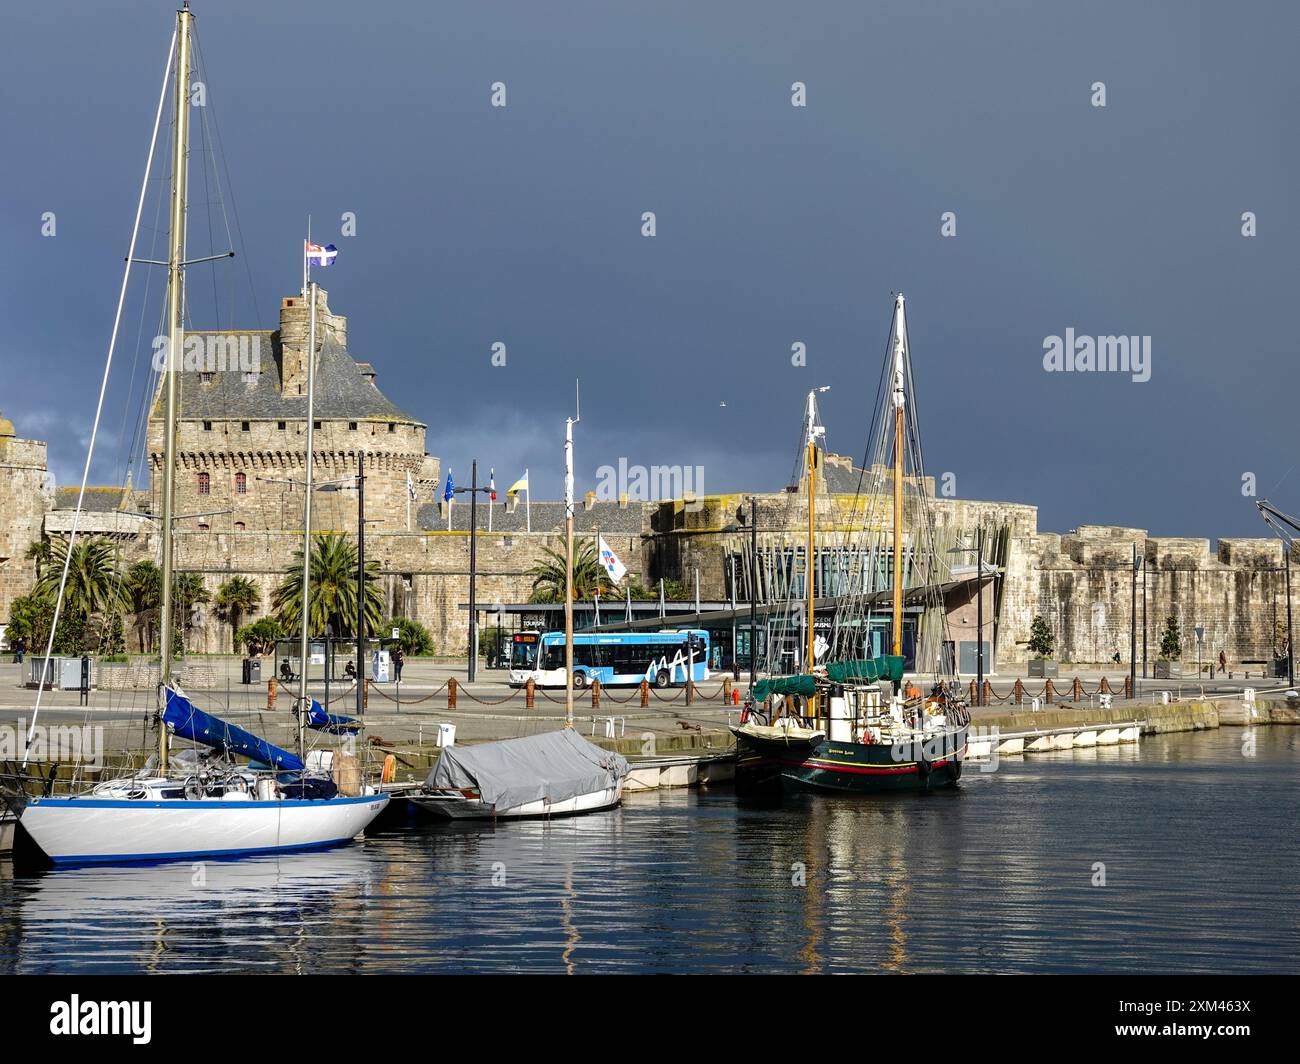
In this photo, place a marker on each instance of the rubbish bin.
(252, 670)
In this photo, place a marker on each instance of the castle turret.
(294, 330)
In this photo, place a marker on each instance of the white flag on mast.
(609, 560)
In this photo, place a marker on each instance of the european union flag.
(450, 489)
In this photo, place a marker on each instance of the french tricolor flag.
(319, 256)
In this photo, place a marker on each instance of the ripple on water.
(1196, 840)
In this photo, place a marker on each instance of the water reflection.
(1197, 842)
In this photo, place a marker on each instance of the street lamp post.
(473, 491)
(1290, 654)
(1132, 633)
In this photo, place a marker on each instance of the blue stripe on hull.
(156, 858)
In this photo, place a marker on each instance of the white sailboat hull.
(73, 831)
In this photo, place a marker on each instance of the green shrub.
(413, 637)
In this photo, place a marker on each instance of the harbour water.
(1196, 833)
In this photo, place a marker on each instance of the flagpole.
(306, 261)
(568, 572)
(492, 480)
(528, 500)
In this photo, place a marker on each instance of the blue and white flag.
(609, 560)
(449, 490)
(320, 256)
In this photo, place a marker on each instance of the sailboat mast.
(810, 462)
(175, 344)
(900, 402)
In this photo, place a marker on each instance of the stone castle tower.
(242, 422)
(25, 497)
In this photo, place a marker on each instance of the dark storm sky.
(775, 225)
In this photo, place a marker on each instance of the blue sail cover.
(189, 721)
(319, 720)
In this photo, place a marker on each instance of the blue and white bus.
(613, 658)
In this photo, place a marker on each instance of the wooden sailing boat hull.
(88, 830)
(825, 765)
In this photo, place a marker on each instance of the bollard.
(987, 693)
(1019, 695)
(271, 689)
(1048, 692)
(1104, 689)
(1076, 689)
(451, 693)
(530, 694)
(726, 690)
(645, 693)
(971, 698)
(1128, 686)
(365, 693)
(595, 694)
(735, 696)
(690, 690)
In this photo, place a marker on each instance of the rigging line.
(234, 207)
(206, 153)
(99, 406)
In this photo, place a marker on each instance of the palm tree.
(93, 587)
(144, 586)
(333, 600)
(39, 551)
(589, 576)
(236, 597)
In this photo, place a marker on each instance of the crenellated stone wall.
(1082, 584)
(26, 493)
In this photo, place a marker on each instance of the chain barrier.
(680, 691)
(1102, 686)
(484, 701)
(407, 701)
(606, 692)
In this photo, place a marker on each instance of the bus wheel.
(579, 680)
(663, 678)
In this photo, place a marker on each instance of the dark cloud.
(775, 225)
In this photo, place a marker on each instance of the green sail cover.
(871, 669)
(784, 685)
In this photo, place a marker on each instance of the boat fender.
(955, 767)
(390, 769)
(922, 765)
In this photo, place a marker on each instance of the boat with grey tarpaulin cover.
(553, 774)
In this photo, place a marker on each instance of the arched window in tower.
(241, 483)
(205, 484)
